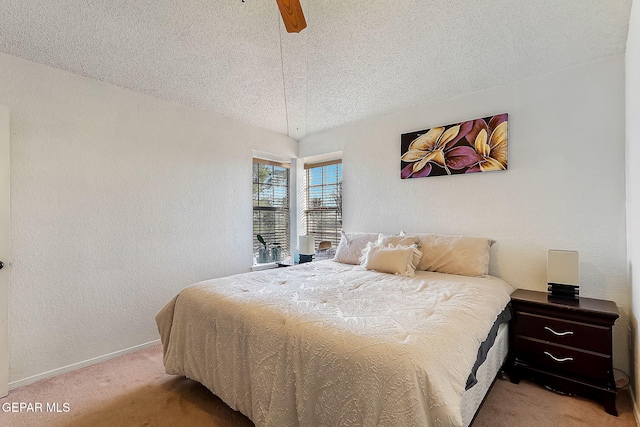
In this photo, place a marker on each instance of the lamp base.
(305, 258)
(558, 290)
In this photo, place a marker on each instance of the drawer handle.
(559, 359)
(560, 334)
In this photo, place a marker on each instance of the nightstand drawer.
(574, 334)
(563, 359)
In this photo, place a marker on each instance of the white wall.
(565, 187)
(633, 178)
(118, 200)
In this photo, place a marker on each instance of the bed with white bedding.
(486, 374)
(326, 343)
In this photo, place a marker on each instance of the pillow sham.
(462, 255)
(395, 240)
(399, 260)
(351, 246)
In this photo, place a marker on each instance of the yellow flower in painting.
(493, 148)
(430, 148)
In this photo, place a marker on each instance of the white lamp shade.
(563, 267)
(307, 245)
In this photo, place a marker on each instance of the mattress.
(487, 372)
(329, 344)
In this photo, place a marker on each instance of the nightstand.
(565, 345)
(281, 264)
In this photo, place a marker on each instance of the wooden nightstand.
(281, 264)
(565, 345)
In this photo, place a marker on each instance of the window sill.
(265, 266)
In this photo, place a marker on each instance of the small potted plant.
(263, 252)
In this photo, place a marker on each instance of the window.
(324, 201)
(271, 204)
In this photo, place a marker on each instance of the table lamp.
(307, 246)
(563, 273)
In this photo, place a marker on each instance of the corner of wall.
(632, 155)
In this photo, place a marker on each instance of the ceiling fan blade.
(292, 15)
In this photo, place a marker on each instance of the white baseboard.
(636, 410)
(32, 379)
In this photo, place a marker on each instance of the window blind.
(323, 211)
(271, 204)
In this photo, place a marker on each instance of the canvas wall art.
(479, 145)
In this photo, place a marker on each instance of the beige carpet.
(529, 405)
(134, 391)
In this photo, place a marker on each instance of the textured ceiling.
(356, 58)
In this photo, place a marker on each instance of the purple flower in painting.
(490, 142)
(438, 146)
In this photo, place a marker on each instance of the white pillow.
(351, 246)
(391, 259)
(395, 240)
(463, 255)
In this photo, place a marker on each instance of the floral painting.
(478, 145)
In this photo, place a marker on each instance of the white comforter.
(328, 344)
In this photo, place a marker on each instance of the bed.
(327, 343)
